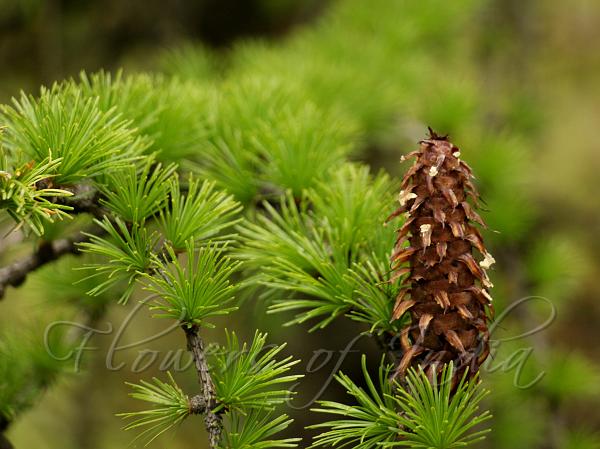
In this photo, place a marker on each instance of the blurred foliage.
(514, 83)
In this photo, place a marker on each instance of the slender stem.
(15, 274)
(212, 421)
(85, 200)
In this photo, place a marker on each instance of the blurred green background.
(515, 83)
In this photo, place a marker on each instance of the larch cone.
(444, 288)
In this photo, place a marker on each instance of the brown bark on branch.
(207, 399)
(15, 274)
(85, 200)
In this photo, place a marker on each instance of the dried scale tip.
(445, 290)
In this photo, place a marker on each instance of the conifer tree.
(146, 225)
(200, 191)
(69, 153)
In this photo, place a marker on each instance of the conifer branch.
(207, 401)
(84, 199)
(15, 274)
(171, 407)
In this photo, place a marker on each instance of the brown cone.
(445, 290)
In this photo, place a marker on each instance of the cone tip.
(435, 136)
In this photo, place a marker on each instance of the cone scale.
(444, 288)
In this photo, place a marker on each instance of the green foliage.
(256, 431)
(278, 233)
(356, 204)
(249, 377)
(136, 194)
(189, 62)
(267, 137)
(437, 414)
(131, 96)
(423, 414)
(402, 60)
(171, 407)
(320, 293)
(231, 171)
(286, 118)
(305, 145)
(199, 212)
(370, 423)
(246, 381)
(171, 114)
(196, 290)
(327, 258)
(24, 198)
(128, 252)
(229, 159)
(64, 125)
(371, 301)
(28, 365)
